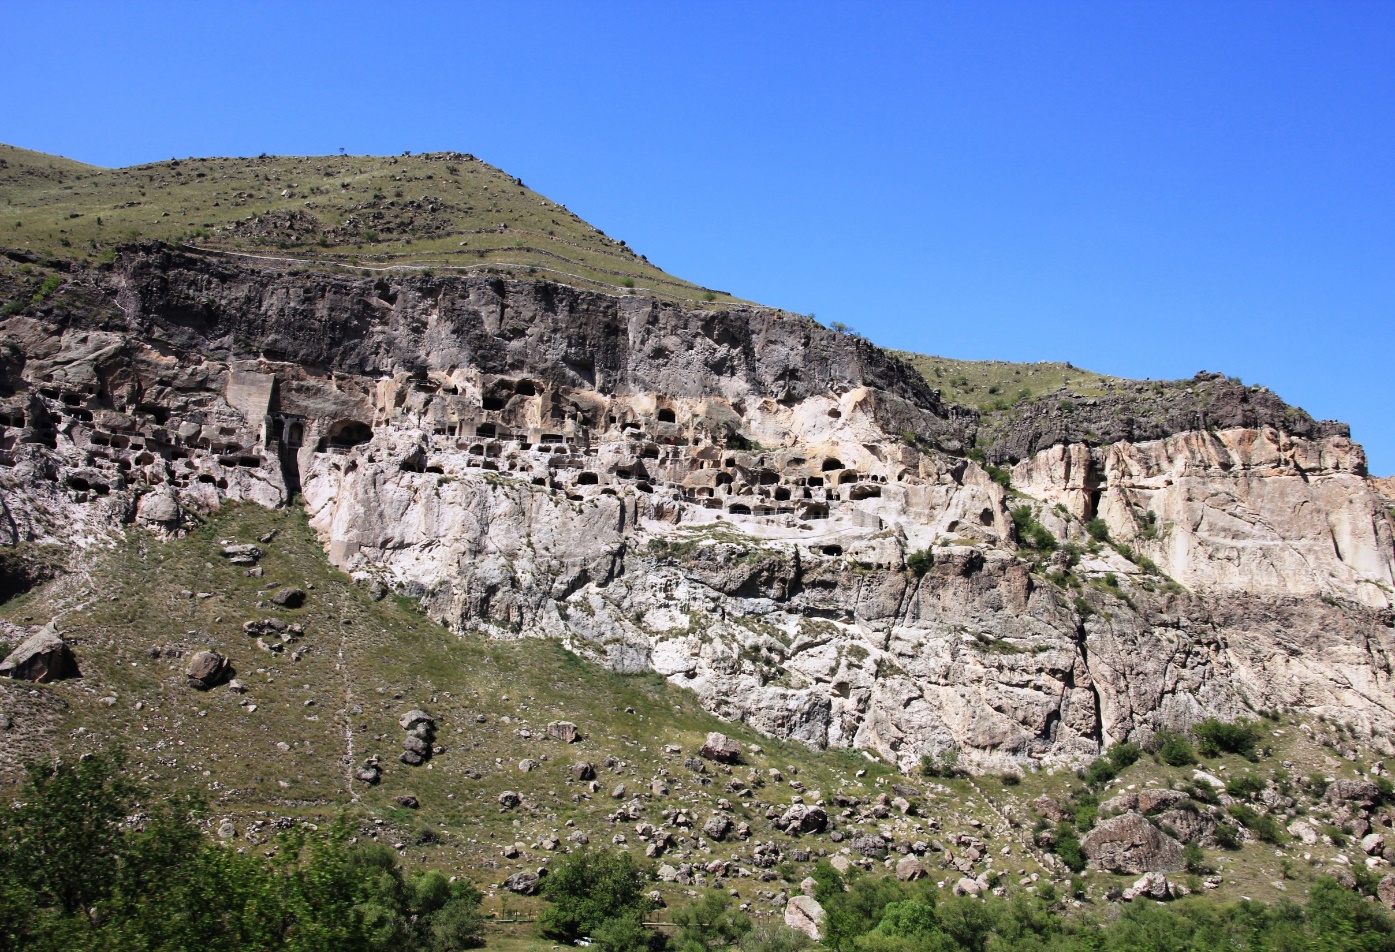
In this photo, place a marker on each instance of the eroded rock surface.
(774, 515)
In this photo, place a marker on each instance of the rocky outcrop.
(1130, 844)
(769, 513)
(43, 657)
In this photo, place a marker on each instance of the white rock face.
(813, 629)
(1251, 511)
(770, 514)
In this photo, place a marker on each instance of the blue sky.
(1145, 189)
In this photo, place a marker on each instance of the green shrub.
(1100, 772)
(999, 475)
(708, 924)
(1194, 860)
(1124, 756)
(946, 766)
(1175, 750)
(1068, 848)
(1216, 737)
(590, 890)
(1244, 787)
(1030, 533)
(1097, 529)
(1261, 825)
(920, 561)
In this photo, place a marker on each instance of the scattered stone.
(800, 818)
(870, 845)
(368, 773)
(289, 598)
(207, 669)
(909, 868)
(525, 884)
(804, 914)
(565, 731)
(721, 748)
(509, 800)
(619, 792)
(1385, 890)
(967, 887)
(717, 826)
(527, 765)
(1049, 809)
(42, 658)
(1148, 886)
(242, 553)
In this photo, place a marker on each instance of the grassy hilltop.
(440, 210)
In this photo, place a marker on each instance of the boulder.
(242, 553)
(870, 845)
(508, 799)
(1373, 844)
(159, 509)
(804, 914)
(42, 658)
(368, 774)
(1150, 801)
(1148, 886)
(528, 764)
(721, 748)
(414, 717)
(1385, 890)
(1356, 792)
(416, 745)
(1130, 844)
(909, 868)
(717, 826)
(1049, 809)
(525, 884)
(289, 598)
(800, 818)
(808, 885)
(967, 887)
(207, 669)
(408, 801)
(565, 731)
(581, 770)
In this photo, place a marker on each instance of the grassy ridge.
(441, 210)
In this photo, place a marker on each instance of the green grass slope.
(441, 210)
(287, 746)
(990, 385)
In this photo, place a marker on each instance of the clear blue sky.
(1145, 189)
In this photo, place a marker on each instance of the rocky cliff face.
(772, 514)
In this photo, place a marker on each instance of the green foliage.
(708, 924)
(1244, 787)
(1175, 750)
(999, 475)
(1261, 825)
(1194, 860)
(771, 936)
(946, 766)
(920, 561)
(1097, 529)
(1100, 772)
(1068, 847)
(1030, 533)
(590, 891)
(1124, 756)
(829, 881)
(76, 875)
(1216, 737)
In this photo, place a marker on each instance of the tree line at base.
(92, 861)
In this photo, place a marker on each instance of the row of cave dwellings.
(583, 443)
(141, 445)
